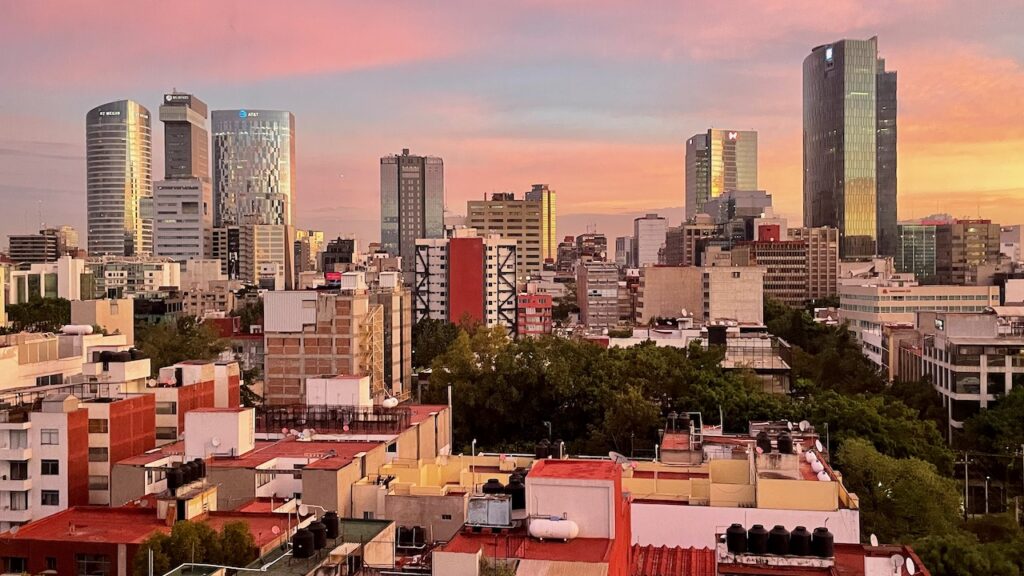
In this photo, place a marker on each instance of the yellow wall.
(730, 471)
(797, 494)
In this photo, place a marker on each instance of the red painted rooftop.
(849, 561)
(420, 412)
(518, 545)
(665, 561)
(222, 410)
(266, 450)
(132, 525)
(575, 469)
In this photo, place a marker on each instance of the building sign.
(732, 135)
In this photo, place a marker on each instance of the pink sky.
(594, 98)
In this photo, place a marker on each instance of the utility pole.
(966, 462)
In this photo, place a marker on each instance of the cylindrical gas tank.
(553, 529)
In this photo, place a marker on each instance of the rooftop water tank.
(757, 540)
(823, 543)
(319, 532)
(736, 539)
(778, 541)
(302, 543)
(553, 528)
(800, 542)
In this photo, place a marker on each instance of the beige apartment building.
(822, 260)
(668, 291)
(529, 221)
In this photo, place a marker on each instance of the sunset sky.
(594, 98)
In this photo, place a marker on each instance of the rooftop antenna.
(911, 567)
(897, 562)
(804, 425)
(621, 460)
(874, 540)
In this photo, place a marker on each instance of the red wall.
(132, 427)
(192, 396)
(234, 391)
(465, 279)
(769, 233)
(38, 550)
(78, 457)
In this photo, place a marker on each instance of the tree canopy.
(196, 542)
(39, 315)
(186, 339)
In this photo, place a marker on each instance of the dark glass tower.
(850, 146)
(411, 204)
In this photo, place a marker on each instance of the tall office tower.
(597, 287)
(119, 185)
(308, 246)
(717, 161)
(184, 198)
(253, 167)
(885, 155)
(624, 251)
(530, 222)
(962, 246)
(916, 254)
(34, 248)
(849, 132)
(648, 239)
(341, 251)
(411, 204)
(548, 241)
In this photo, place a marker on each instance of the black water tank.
(785, 443)
(122, 357)
(302, 543)
(333, 524)
(764, 442)
(419, 536)
(188, 470)
(517, 492)
(800, 542)
(136, 354)
(200, 467)
(543, 449)
(105, 357)
(493, 486)
(175, 479)
(319, 532)
(778, 541)
(736, 539)
(823, 543)
(684, 423)
(757, 540)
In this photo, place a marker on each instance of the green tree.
(249, 397)
(960, 553)
(161, 562)
(186, 339)
(430, 339)
(39, 315)
(192, 542)
(566, 305)
(901, 499)
(249, 314)
(237, 545)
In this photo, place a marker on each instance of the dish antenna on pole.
(874, 540)
(897, 562)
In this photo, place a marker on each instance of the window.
(98, 455)
(19, 500)
(19, 470)
(393, 448)
(51, 563)
(49, 379)
(99, 425)
(446, 516)
(16, 565)
(368, 515)
(93, 564)
(19, 439)
(50, 498)
(49, 436)
(51, 467)
(166, 433)
(99, 482)
(166, 407)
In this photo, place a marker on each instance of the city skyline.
(362, 96)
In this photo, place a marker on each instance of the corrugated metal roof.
(665, 561)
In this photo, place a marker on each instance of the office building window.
(166, 433)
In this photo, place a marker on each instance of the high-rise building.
(183, 200)
(338, 251)
(34, 248)
(529, 221)
(684, 244)
(1010, 241)
(850, 145)
(253, 167)
(717, 161)
(411, 204)
(592, 247)
(597, 290)
(962, 246)
(308, 246)
(648, 239)
(916, 253)
(119, 179)
(467, 277)
(624, 251)
(822, 260)
(546, 197)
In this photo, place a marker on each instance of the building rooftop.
(576, 469)
(328, 455)
(665, 561)
(519, 545)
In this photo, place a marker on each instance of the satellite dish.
(275, 530)
(874, 540)
(759, 450)
(618, 458)
(818, 446)
(911, 567)
(14, 529)
(284, 431)
(215, 442)
(897, 561)
(824, 477)
(818, 467)
(303, 510)
(804, 425)
(810, 457)
(789, 425)
(390, 402)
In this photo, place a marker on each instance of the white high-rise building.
(648, 239)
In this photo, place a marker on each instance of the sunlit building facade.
(119, 179)
(717, 161)
(849, 128)
(916, 252)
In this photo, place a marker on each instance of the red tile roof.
(665, 561)
(576, 469)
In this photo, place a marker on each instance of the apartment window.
(49, 380)
(98, 455)
(50, 467)
(19, 470)
(166, 407)
(99, 425)
(16, 565)
(446, 516)
(166, 433)
(51, 563)
(19, 439)
(50, 498)
(99, 482)
(47, 436)
(393, 448)
(19, 500)
(367, 515)
(93, 564)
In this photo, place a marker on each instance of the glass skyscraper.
(253, 167)
(717, 161)
(411, 204)
(916, 251)
(850, 146)
(119, 179)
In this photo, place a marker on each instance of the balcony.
(8, 515)
(9, 485)
(20, 454)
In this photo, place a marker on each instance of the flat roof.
(420, 412)
(576, 469)
(518, 545)
(344, 452)
(221, 410)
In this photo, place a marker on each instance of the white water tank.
(818, 467)
(389, 402)
(553, 528)
(78, 329)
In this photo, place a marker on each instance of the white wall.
(590, 504)
(687, 526)
(341, 391)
